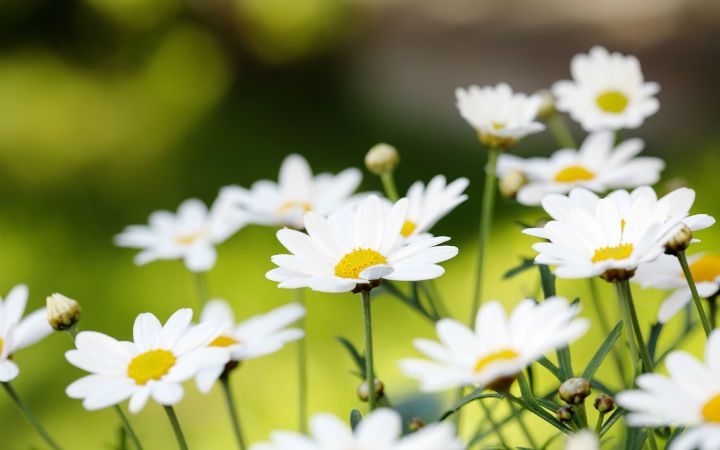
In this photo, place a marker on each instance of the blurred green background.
(110, 109)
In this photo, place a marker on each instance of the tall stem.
(25, 410)
(234, 416)
(696, 297)
(369, 363)
(201, 288)
(128, 428)
(182, 443)
(486, 214)
(561, 132)
(302, 367)
(605, 323)
(629, 305)
(388, 181)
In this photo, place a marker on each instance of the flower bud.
(565, 413)
(575, 390)
(511, 182)
(604, 403)
(680, 241)
(415, 424)
(382, 159)
(63, 313)
(547, 104)
(362, 390)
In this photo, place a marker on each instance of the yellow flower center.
(571, 174)
(408, 228)
(613, 102)
(224, 341)
(294, 204)
(621, 251)
(707, 268)
(360, 259)
(151, 365)
(502, 355)
(187, 239)
(711, 410)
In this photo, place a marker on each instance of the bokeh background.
(110, 109)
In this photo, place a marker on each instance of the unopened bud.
(547, 104)
(415, 424)
(680, 241)
(63, 313)
(604, 403)
(382, 159)
(565, 413)
(511, 182)
(575, 390)
(362, 390)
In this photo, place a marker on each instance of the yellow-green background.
(112, 109)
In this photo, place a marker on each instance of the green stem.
(493, 424)
(234, 416)
(302, 367)
(712, 303)
(581, 415)
(485, 223)
(388, 181)
(629, 305)
(201, 288)
(25, 410)
(182, 443)
(128, 428)
(517, 413)
(599, 423)
(369, 363)
(696, 297)
(561, 132)
(605, 324)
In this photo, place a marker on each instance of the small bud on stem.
(575, 390)
(362, 391)
(382, 159)
(511, 182)
(63, 313)
(680, 242)
(565, 413)
(604, 403)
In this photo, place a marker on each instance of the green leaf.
(552, 368)
(525, 264)
(355, 418)
(548, 281)
(655, 331)
(614, 417)
(477, 394)
(356, 356)
(602, 352)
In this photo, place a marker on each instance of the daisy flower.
(590, 236)
(191, 234)
(17, 333)
(297, 191)
(500, 116)
(379, 430)
(666, 273)
(608, 91)
(498, 348)
(598, 165)
(427, 205)
(582, 440)
(689, 396)
(155, 364)
(258, 336)
(355, 250)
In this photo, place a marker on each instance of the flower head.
(427, 205)
(296, 192)
(598, 165)
(255, 337)
(499, 347)
(382, 158)
(379, 430)
(17, 333)
(62, 312)
(154, 364)
(500, 116)
(689, 396)
(608, 91)
(355, 250)
(666, 273)
(191, 234)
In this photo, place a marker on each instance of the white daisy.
(297, 191)
(500, 116)
(582, 440)
(17, 333)
(689, 396)
(191, 234)
(666, 273)
(608, 91)
(498, 348)
(258, 336)
(427, 205)
(598, 165)
(590, 236)
(380, 430)
(356, 249)
(154, 365)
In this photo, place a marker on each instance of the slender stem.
(182, 443)
(127, 427)
(605, 324)
(599, 423)
(25, 410)
(696, 297)
(494, 424)
(388, 181)
(629, 304)
(302, 367)
(712, 303)
(234, 417)
(627, 324)
(561, 132)
(581, 415)
(201, 288)
(517, 413)
(369, 363)
(485, 223)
